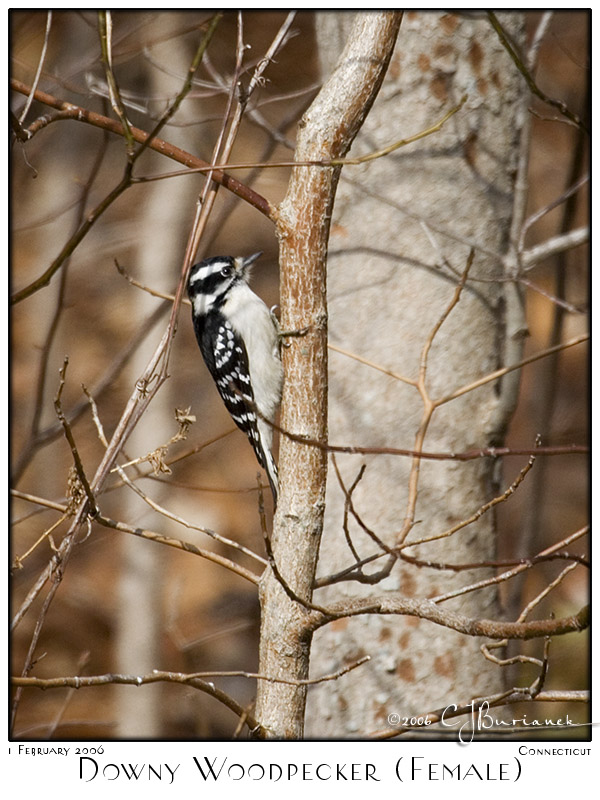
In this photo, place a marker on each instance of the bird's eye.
(227, 272)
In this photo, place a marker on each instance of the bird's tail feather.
(271, 470)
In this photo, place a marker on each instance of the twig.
(77, 113)
(81, 663)
(430, 610)
(347, 503)
(326, 162)
(105, 30)
(479, 513)
(98, 120)
(467, 455)
(538, 38)
(543, 664)
(157, 457)
(53, 571)
(511, 573)
(154, 292)
(179, 544)
(38, 500)
(361, 360)
(18, 560)
(35, 436)
(535, 217)
(143, 533)
(428, 406)
(502, 562)
(349, 507)
(85, 681)
(38, 71)
(92, 507)
(520, 658)
(545, 592)
(492, 376)
(557, 301)
(554, 245)
(533, 87)
(156, 537)
(173, 107)
(538, 684)
(79, 682)
(355, 573)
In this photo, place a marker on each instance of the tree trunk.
(138, 639)
(326, 131)
(401, 236)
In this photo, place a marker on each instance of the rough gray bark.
(400, 238)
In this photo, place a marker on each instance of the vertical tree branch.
(326, 131)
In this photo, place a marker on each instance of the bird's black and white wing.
(225, 355)
(240, 344)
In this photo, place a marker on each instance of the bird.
(239, 339)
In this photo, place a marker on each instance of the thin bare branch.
(181, 521)
(533, 87)
(322, 162)
(546, 591)
(42, 501)
(467, 455)
(47, 534)
(535, 217)
(38, 71)
(79, 114)
(479, 513)
(105, 31)
(84, 681)
(538, 38)
(157, 676)
(505, 370)
(93, 508)
(556, 244)
(429, 406)
(156, 507)
(430, 610)
(505, 576)
(179, 544)
(557, 301)
(366, 362)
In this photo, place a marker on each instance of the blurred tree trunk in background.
(400, 239)
(168, 208)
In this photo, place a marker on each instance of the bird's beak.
(243, 264)
(249, 260)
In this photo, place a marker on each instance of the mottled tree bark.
(326, 131)
(401, 236)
